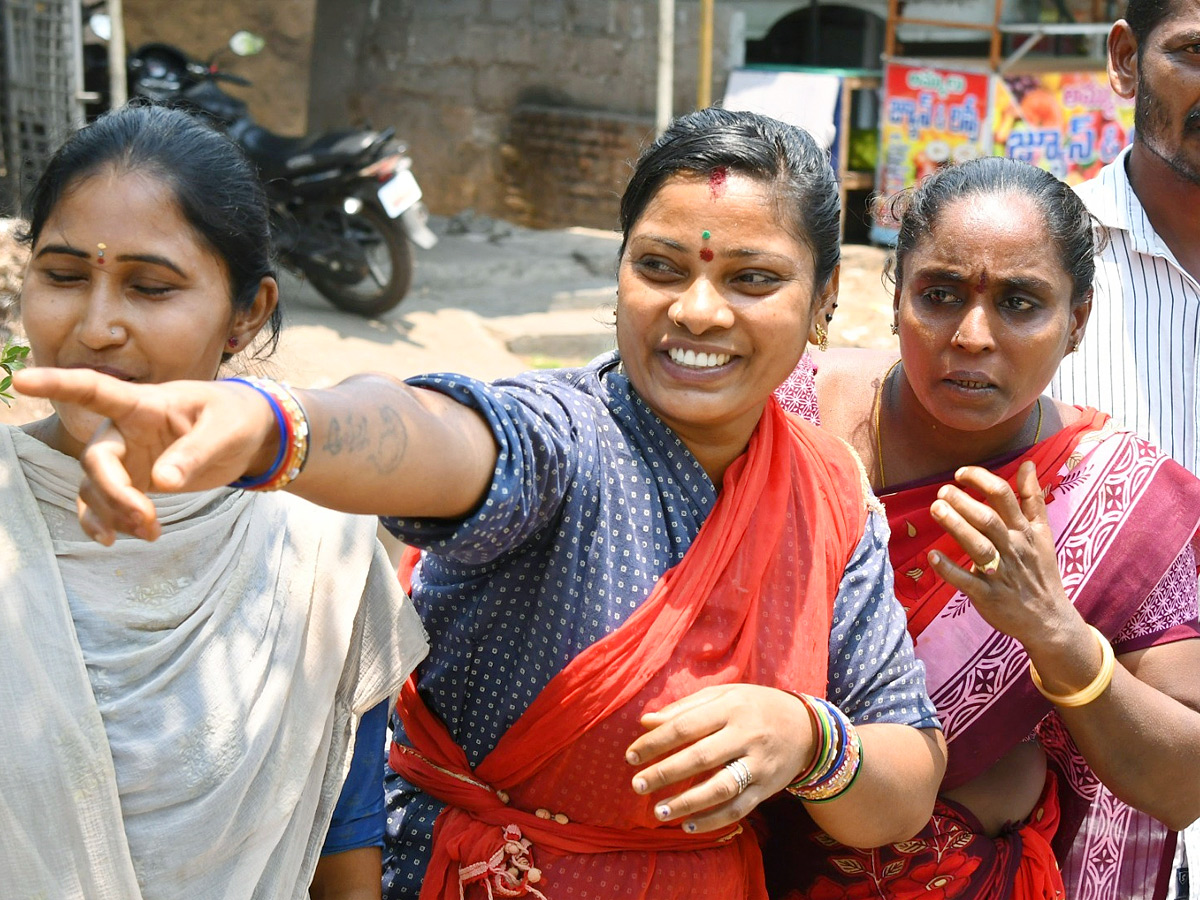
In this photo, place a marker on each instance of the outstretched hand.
(171, 437)
(769, 731)
(1014, 581)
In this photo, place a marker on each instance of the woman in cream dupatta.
(178, 714)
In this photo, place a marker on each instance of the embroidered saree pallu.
(1125, 522)
(550, 811)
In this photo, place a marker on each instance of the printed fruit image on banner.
(931, 117)
(1069, 123)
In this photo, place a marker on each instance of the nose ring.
(674, 317)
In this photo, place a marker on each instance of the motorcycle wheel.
(389, 265)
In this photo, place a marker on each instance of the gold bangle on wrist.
(1099, 685)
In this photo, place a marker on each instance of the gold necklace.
(1037, 432)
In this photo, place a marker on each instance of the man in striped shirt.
(1139, 357)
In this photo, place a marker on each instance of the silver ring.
(740, 774)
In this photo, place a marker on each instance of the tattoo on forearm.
(349, 434)
(392, 442)
(333, 440)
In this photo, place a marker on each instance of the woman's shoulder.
(847, 382)
(853, 366)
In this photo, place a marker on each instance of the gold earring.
(895, 328)
(822, 338)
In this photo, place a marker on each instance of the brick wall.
(460, 79)
(279, 96)
(569, 167)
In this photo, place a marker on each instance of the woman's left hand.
(1015, 582)
(766, 731)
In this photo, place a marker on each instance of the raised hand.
(171, 437)
(1014, 581)
(767, 732)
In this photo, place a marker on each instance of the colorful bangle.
(841, 779)
(1099, 685)
(838, 756)
(292, 423)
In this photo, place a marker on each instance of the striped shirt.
(1140, 353)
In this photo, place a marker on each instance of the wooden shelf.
(851, 179)
(996, 30)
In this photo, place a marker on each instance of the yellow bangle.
(1098, 686)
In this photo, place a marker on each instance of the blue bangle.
(249, 482)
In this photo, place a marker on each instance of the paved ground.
(493, 299)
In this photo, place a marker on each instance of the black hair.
(1073, 230)
(216, 187)
(1144, 16)
(756, 146)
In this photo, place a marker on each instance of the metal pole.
(117, 89)
(704, 76)
(663, 107)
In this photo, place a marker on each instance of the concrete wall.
(279, 97)
(465, 81)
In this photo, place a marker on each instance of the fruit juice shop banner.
(1070, 123)
(930, 117)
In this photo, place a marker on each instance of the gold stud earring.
(895, 328)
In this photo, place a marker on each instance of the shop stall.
(1052, 110)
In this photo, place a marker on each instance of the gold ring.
(990, 567)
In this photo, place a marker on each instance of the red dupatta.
(550, 811)
(915, 533)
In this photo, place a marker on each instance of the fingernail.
(689, 827)
(639, 785)
(663, 812)
(935, 558)
(632, 758)
(960, 472)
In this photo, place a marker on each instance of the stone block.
(515, 12)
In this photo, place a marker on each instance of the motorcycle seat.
(278, 156)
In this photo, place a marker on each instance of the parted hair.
(757, 146)
(216, 186)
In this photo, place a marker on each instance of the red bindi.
(706, 254)
(716, 180)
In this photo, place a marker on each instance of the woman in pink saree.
(1071, 785)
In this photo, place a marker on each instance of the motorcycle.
(345, 205)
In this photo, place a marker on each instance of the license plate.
(400, 193)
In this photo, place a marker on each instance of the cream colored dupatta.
(177, 716)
